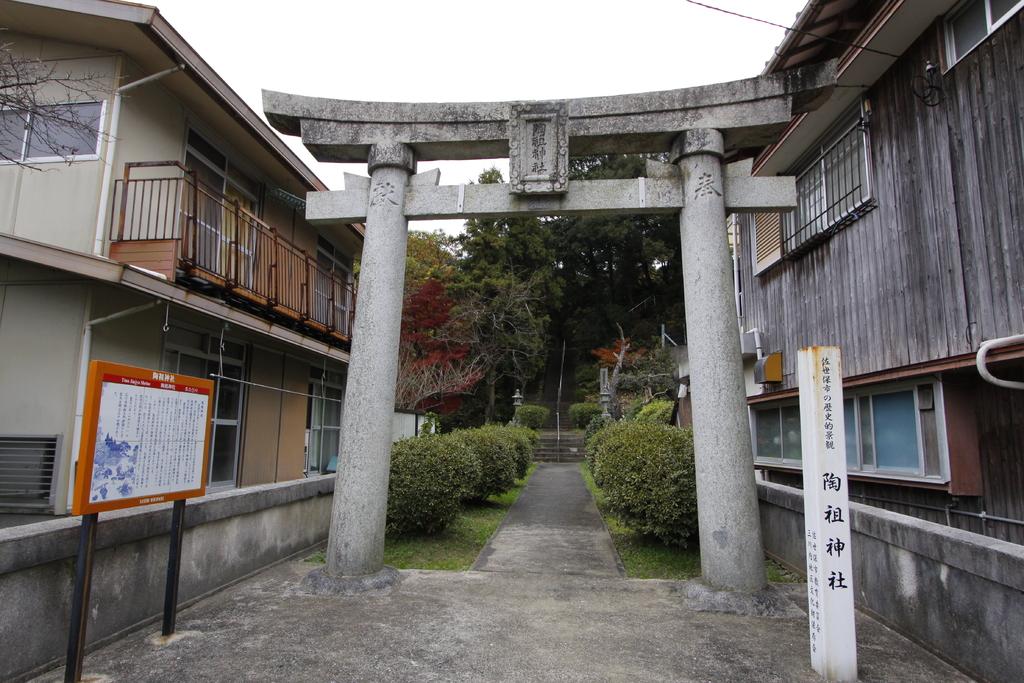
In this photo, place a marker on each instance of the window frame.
(91, 156)
(775, 258)
(950, 39)
(873, 471)
(319, 381)
(782, 460)
(853, 119)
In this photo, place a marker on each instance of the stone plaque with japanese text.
(538, 148)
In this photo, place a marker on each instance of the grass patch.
(645, 557)
(455, 548)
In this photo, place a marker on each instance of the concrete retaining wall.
(228, 536)
(958, 593)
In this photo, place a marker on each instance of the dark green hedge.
(646, 473)
(495, 452)
(582, 413)
(659, 411)
(524, 441)
(430, 475)
(532, 417)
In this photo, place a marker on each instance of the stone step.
(564, 458)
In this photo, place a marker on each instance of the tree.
(430, 256)
(38, 111)
(507, 282)
(616, 269)
(434, 359)
(642, 374)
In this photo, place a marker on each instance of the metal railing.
(833, 191)
(219, 237)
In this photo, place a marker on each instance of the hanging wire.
(928, 88)
(220, 352)
(236, 380)
(794, 30)
(167, 318)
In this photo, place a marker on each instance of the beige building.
(168, 233)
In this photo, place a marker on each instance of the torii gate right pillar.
(731, 553)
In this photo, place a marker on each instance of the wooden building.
(906, 250)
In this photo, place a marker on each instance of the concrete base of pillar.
(320, 582)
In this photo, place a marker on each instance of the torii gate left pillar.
(355, 545)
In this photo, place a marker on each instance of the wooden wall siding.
(985, 105)
(1000, 415)
(939, 265)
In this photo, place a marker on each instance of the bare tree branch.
(41, 112)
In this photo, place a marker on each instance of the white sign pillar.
(827, 514)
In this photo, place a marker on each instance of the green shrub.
(525, 442)
(582, 413)
(658, 411)
(533, 417)
(429, 477)
(519, 441)
(596, 424)
(494, 451)
(595, 443)
(648, 479)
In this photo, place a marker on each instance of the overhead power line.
(789, 29)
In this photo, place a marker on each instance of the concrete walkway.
(547, 603)
(490, 626)
(553, 528)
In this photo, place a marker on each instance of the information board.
(145, 438)
(827, 514)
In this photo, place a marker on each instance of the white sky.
(473, 50)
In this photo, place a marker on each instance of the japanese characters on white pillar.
(826, 514)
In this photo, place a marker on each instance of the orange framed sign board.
(145, 438)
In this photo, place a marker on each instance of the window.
(974, 21)
(887, 430)
(777, 433)
(59, 132)
(222, 184)
(327, 289)
(766, 242)
(194, 353)
(832, 187)
(324, 421)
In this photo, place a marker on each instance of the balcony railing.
(177, 226)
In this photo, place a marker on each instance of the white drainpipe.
(737, 294)
(83, 375)
(108, 166)
(981, 361)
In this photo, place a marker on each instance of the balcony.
(178, 227)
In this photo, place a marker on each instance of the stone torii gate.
(699, 127)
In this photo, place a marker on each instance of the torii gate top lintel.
(750, 113)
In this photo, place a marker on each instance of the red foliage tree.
(435, 364)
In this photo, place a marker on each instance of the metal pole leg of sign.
(173, 566)
(80, 599)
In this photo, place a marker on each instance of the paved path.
(548, 603)
(553, 528)
(490, 626)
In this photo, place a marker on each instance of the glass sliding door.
(194, 353)
(324, 421)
